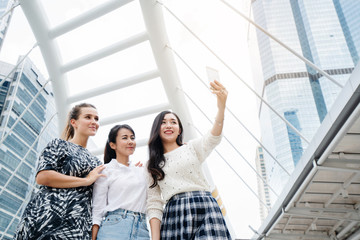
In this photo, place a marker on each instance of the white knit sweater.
(183, 173)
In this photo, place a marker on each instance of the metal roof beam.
(343, 156)
(355, 236)
(134, 114)
(114, 86)
(336, 169)
(303, 186)
(324, 209)
(345, 185)
(331, 161)
(287, 223)
(309, 215)
(295, 235)
(312, 226)
(339, 223)
(86, 17)
(346, 229)
(104, 52)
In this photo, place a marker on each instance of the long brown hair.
(156, 150)
(74, 113)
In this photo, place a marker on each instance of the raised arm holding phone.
(176, 178)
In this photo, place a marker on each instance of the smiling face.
(169, 129)
(87, 123)
(125, 143)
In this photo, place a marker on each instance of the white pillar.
(39, 24)
(154, 22)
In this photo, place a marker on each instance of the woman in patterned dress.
(61, 209)
(176, 178)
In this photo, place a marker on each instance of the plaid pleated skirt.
(193, 215)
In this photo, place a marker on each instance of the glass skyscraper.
(326, 32)
(348, 13)
(24, 94)
(263, 188)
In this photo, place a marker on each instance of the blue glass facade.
(4, 83)
(294, 138)
(19, 149)
(326, 32)
(347, 12)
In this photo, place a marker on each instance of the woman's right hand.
(95, 174)
(221, 93)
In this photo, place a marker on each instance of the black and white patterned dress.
(60, 213)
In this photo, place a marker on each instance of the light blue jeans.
(123, 224)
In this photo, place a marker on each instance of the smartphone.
(212, 74)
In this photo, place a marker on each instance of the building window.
(294, 138)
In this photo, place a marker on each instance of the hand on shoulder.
(95, 174)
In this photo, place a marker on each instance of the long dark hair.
(110, 153)
(156, 150)
(74, 113)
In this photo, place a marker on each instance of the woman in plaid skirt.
(176, 178)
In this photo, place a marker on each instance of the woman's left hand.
(138, 164)
(221, 93)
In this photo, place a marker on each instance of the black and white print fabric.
(60, 213)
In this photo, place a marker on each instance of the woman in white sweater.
(119, 199)
(176, 179)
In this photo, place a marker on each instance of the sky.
(218, 26)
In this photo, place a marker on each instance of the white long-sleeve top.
(123, 187)
(183, 173)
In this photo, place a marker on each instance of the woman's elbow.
(42, 178)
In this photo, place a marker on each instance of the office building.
(263, 188)
(25, 96)
(326, 32)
